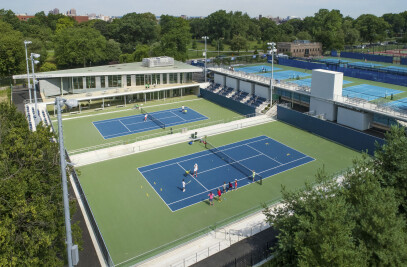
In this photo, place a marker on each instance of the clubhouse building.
(153, 78)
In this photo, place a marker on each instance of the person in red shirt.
(230, 186)
(235, 184)
(219, 195)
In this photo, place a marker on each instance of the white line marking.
(264, 154)
(124, 125)
(192, 177)
(178, 116)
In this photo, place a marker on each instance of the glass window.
(128, 80)
(139, 79)
(77, 82)
(164, 78)
(155, 79)
(115, 81)
(102, 82)
(189, 77)
(90, 82)
(173, 77)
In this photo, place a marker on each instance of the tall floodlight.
(28, 70)
(33, 62)
(272, 50)
(71, 249)
(206, 38)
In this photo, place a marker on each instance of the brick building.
(302, 48)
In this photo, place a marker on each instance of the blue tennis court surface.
(368, 92)
(333, 60)
(364, 64)
(396, 69)
(286, 74)
(262, 154)
(254, 69)
(134, 124)
(307, 82)
(399, 104)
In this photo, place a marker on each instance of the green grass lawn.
(79, 131)
(133, 219)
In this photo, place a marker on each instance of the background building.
(300, 48)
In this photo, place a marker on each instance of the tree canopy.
(358, 220)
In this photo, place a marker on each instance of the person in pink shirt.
(145, 117)
(235, 184)
(211, 198)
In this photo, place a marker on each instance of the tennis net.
(237, 165)
(154, 119)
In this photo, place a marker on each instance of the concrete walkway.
(211, 243)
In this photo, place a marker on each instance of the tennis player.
(219, 195)
(235, 184)
(145, 117)
(254, 175)
(182, 108)
(196, 170)
(183, 185)
(210, 199)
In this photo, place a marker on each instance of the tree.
(314, 229)
(175, 37)
(379, 228)
(269, 30)
(31, 208)
(133, 29)
(48, 66)
(327, 29)
(63, 23)
(351, 34)
(238, 43)
(79, 46)
(142, 51)
(391, 164)
(371, 28)
(9, 17)
(112, 51)
(12, 57)
(304, 36)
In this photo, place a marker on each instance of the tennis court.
(218, 165)
(399, 104)
(396, 69)
(307, 82)
(134, 124)
(364, 65)
(368, 92)
(333, 60)
(286, 74)
(254, 69)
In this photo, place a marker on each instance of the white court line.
(204, 155)
(193, 177)
(264, 154)
(178, 116)
(124, 125)
(244, 178)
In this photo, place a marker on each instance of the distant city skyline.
(194, 8)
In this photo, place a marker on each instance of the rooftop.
(125, 68)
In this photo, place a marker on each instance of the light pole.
(28, 70)
(71, 250)
(33, 61)
(272, 50)
(206, 38)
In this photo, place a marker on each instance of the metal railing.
(163, 133)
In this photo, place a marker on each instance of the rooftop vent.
(158, 62)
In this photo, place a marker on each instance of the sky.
(282, 8)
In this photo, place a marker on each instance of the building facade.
(153, 74)
(300, 49)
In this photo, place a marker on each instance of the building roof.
(117, 69)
